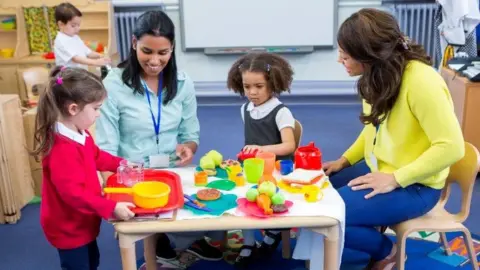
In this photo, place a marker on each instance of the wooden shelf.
(94, 28)
(97, 26)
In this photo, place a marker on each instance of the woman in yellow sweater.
(396, 168)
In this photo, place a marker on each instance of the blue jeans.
(86, 257)
(362, 215)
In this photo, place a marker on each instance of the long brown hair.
(66, 86)
(373, 38)
(277, 71)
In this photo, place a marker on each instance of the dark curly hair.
(278, 72)
(373, 38)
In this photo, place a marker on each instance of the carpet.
(423, 250)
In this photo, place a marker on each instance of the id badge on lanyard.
(373, 158)
(158, 160)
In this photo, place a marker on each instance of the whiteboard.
(257, 23)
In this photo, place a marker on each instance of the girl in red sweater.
(72, 202)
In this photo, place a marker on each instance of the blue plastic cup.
(286, 166)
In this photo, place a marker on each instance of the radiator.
(418, 22)
(124, 22)
(125, 18)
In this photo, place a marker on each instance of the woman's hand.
(335, 166)
(185, 154)
(378, 181)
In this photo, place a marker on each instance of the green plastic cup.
(253, 169)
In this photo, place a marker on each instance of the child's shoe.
(246, 257)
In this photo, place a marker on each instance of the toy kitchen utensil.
(243, 155)
(308, 157)
(149, 195)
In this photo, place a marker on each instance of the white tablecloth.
(309, 245)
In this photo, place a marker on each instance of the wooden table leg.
(149, 246)
(330, 247)
(127, 251)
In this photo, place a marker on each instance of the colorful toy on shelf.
(95, 46)
(49, 55)
(8, 24)
(308, 157)
(267, 198)
(243, 155)
(7, 53)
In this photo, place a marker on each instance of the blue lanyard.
(377, 127)
(156, 124)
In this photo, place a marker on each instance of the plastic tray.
(172, 179)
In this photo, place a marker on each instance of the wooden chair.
(36, 80)
(439, 219)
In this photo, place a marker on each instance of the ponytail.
(66, 86)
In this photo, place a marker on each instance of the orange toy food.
(265, 203)
(209, 194)
(269, 178)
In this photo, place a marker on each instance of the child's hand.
(103, 61)
(122, 210)
(250, 148)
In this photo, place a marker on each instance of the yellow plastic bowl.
(148, 194)
(7, 53)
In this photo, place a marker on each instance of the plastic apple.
(216, 156)
(207, 163)
(252, 195)
(278, 199)
(267, 188)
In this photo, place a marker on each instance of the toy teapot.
(308, 157)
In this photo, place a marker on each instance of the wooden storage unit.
(466, 99)
(16, 184)
(97, 25)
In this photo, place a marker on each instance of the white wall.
(313, 72)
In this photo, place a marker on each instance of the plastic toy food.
(215, 156)
(279, 208)
(252, 194)
(207, 163)
(229, 163)
(246, 155)
(267, 188)
(268, 178)
(265, 203)
(209, 194)
(266, 199)
(278, 199)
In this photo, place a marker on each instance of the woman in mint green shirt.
(151, 113)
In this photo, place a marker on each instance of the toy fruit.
(279, 208)
(265, 203)
(216, 156)
(267, 178)
(252, 195)
(267, 188)
(207, 163)
(277, 199)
